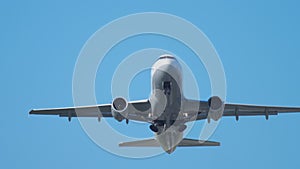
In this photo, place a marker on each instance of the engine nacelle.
(119, 108)
(216, 108)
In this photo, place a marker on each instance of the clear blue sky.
(258, 43)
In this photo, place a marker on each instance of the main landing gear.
(156, 127)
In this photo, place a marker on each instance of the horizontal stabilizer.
(154, 143)
(141, 143)
(186, 142)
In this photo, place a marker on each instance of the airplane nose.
(166, 56)
(168, 64)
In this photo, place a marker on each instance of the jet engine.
(119, 108)
(216, 108)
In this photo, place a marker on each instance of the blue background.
(258, 43)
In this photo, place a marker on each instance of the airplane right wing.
(138, 111)
(82, 111)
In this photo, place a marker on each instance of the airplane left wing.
(139, 113)
(198, 110)
(255, 110)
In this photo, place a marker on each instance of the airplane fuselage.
(166, 100)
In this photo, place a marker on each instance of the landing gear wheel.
(154, 128)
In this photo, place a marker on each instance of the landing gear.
(157, 126)
(167, 87)
(154, 128)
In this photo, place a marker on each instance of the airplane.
(167, 110)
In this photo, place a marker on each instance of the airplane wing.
(84, 111)
(140, 113)
(254, 110)
(235, 110)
